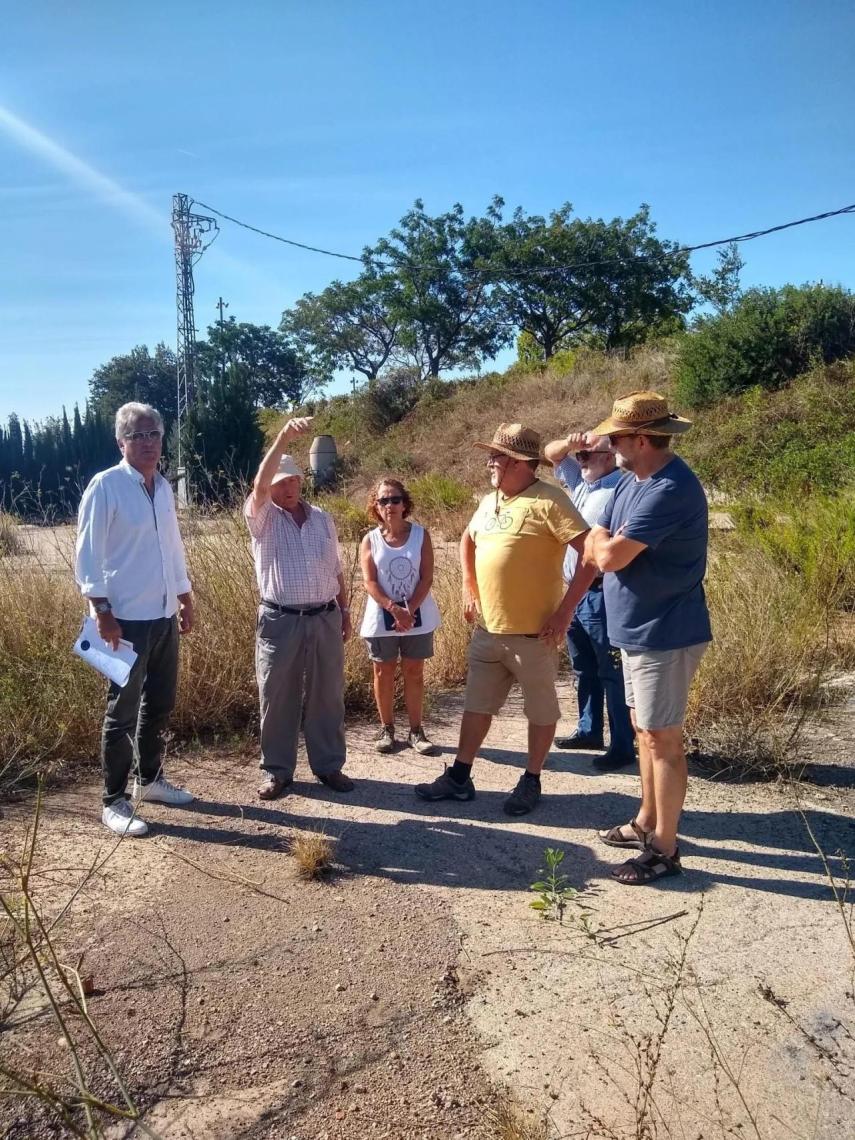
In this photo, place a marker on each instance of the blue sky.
(324, 121)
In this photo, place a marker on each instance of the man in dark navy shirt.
(651, 544)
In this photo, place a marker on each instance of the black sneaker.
(444, 788)
(524, 798)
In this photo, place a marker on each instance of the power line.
(546, 269)
(276, 237)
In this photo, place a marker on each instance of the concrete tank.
(323, 458)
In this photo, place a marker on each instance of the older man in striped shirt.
(303, 622)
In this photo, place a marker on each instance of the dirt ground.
(396, 998)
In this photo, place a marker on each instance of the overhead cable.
(545, 269)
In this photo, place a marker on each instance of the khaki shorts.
(496, 660)
(657, 681)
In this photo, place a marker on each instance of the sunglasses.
(584, 456)
(613, 439)
(395, 500)
(138, 436)
(492, 460)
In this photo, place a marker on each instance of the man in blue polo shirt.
(585, 465)
(651, 544)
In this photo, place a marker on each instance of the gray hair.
(130, 414)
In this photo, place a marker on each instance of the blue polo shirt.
(657, 601)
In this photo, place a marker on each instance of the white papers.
(113, 663)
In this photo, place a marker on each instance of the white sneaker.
(160, 791)
(119, 817)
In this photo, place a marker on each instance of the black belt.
(326, 608)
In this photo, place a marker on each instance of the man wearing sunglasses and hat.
(651, 544)
(585, 464)
(303, 622)
(512, 554)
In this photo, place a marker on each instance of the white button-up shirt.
(129, 548)
(589, 499)
(294, 565)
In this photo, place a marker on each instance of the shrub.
(768, 338)
(436, 491)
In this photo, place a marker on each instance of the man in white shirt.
(303, 622)
(586, 467)
(130, 568)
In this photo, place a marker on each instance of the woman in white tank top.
(400, 613)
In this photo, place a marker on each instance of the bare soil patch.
(392, 999)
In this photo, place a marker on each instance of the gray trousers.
(137, 715)
(299, 666)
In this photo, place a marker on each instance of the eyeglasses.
(137, 436)
(584, 456)
(613, 439)
(492, 460)
(395, 500)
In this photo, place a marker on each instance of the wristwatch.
(103, 608)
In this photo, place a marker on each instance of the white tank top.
(398, 573)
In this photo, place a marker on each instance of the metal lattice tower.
(190, 231)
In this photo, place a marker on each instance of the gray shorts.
(657, 681)
(389, 648)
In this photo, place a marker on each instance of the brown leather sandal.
(272, 786)
(615, 837)
(648, 867)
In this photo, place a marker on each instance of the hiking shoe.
(119, 817)
(524, 798)
(444, 788)
(160, 791)
(420, 742)
(386, 739)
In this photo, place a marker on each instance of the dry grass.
(10, 536)
(512, 1123)
(767, 664)
(313, 853)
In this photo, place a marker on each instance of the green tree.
(348, 325)
(444, 301)
(264, 359)
(221, 437)
(565, 280)
(768, 338)
(137, 375)
(722, 288)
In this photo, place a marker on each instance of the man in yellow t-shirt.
(512, 554)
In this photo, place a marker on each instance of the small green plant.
(554, 893)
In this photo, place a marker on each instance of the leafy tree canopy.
(265, 360)
(443, 301)
(136, 375)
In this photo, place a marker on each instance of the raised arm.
(558, 449)
(270, 463)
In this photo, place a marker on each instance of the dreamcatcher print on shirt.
(401, 577)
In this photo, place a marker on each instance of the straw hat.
(514, 440)
(287, 468)
(642, 413)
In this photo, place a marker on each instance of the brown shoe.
(272, 786)
(338, 782)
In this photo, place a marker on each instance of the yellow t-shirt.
(519, 551)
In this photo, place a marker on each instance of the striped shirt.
(294, 565)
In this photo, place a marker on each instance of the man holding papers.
(130, 567)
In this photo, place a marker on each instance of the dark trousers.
(137, 714)
(598, 674)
